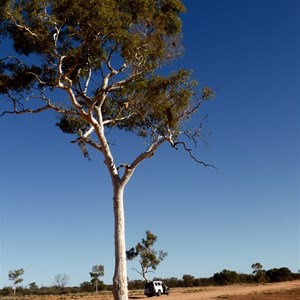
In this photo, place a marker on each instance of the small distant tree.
(6, 291)
(14, 276)
(146, 255)
(97, 271)
(258, 272)
(61, 280)
(33, 286)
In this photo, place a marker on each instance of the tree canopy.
(105, 59)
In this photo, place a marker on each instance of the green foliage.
(33, 286)
(6, 291)
(72, 124)
(73, 44)
(136, 284)
(188, 280)
(87, 287)
(14, 276)
(18, 77)
(273, 275)
(208, 93)
(157, 100)
(278, 275)
(260, 275)
(226, 277)
(86, 36)
(146, 255)
(97, 271)
(256, 267)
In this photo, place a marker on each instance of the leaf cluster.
(154, 103)
(71, 124)
(15, 276)
(82, 36)
(97, 270)
(15, 76)
(85, 32)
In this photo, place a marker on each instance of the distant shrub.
(296, 276)
(226, 277)
(136, 284)
(6, 291)
(278, 275)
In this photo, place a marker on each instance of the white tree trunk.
(14, 289)
(120, 290)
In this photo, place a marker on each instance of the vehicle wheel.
(158, 293)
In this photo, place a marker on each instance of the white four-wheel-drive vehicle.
(156, 288)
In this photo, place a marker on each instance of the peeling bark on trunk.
(120, 290)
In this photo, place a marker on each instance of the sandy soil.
(239, 292)
(275, 291)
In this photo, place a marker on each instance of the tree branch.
(116, 120)
(85, 138)
(149, 152)
(189, 150)
(88, 79)
(33, 111)
(22, 26)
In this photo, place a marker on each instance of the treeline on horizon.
(225, 277)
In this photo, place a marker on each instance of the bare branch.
(33, 111)
(108, 63)
(88, 79)
(148, 153)
(88, 141)
(116, 120)
(189, 150)
(85, 139)
(37, 77)
(137, 271)
(60, 72)
(19, 108)
(12, 58)
(119, 84)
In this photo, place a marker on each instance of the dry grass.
(293, 294)
(280, 291)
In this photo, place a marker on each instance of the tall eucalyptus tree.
(105, 57)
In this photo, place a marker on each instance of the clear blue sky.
(56, 208)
